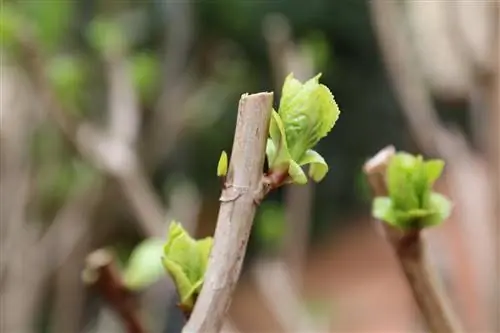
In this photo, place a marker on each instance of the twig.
(244, 188)
(102, 274)
(409, 248)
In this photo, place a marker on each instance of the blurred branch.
(69, 239)
(434, 138)
(276, 285)
(494, 152)
(407, 80)
(102, 274)
(243, 189)
(111, 152)
(168, 120)
(21, 272)
(410, 249)
(277, 280)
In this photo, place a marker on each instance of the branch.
(102, 274)
(243, 189)
(409, 248)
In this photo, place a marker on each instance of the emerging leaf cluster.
(185, 260)
(307, 112)
(411, 202)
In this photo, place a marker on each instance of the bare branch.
(243, 189)
(409, 247)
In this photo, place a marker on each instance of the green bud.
(411, 201)
(222, 166)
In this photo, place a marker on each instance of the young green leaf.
(296, 173)
(281, 156)
(318, 166)
(399, 182)
(411, 202)
(382, 210)
(433, 170)
(144, 266)
(308, 112)
(185, 259)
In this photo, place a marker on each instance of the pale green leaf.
(382, 210)
(291, 87)
(204, 248)
(277, 133)
(318, 166)
(296, 173)
(433, 170)
(400, 182)
(308, 114)
(144, 266)
(182, 283)
(185, 259)
(441, 205)
(222, 165)
(270, 151)
(419, 182)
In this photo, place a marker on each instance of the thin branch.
(409, 247)
(244, 188)
(102, 274)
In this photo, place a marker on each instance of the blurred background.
(114, 114)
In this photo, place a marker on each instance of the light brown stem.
(102, 274)
(243, 190)
(410, 249)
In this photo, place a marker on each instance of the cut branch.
(410, 250)
(102, 274)
(244, 188)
